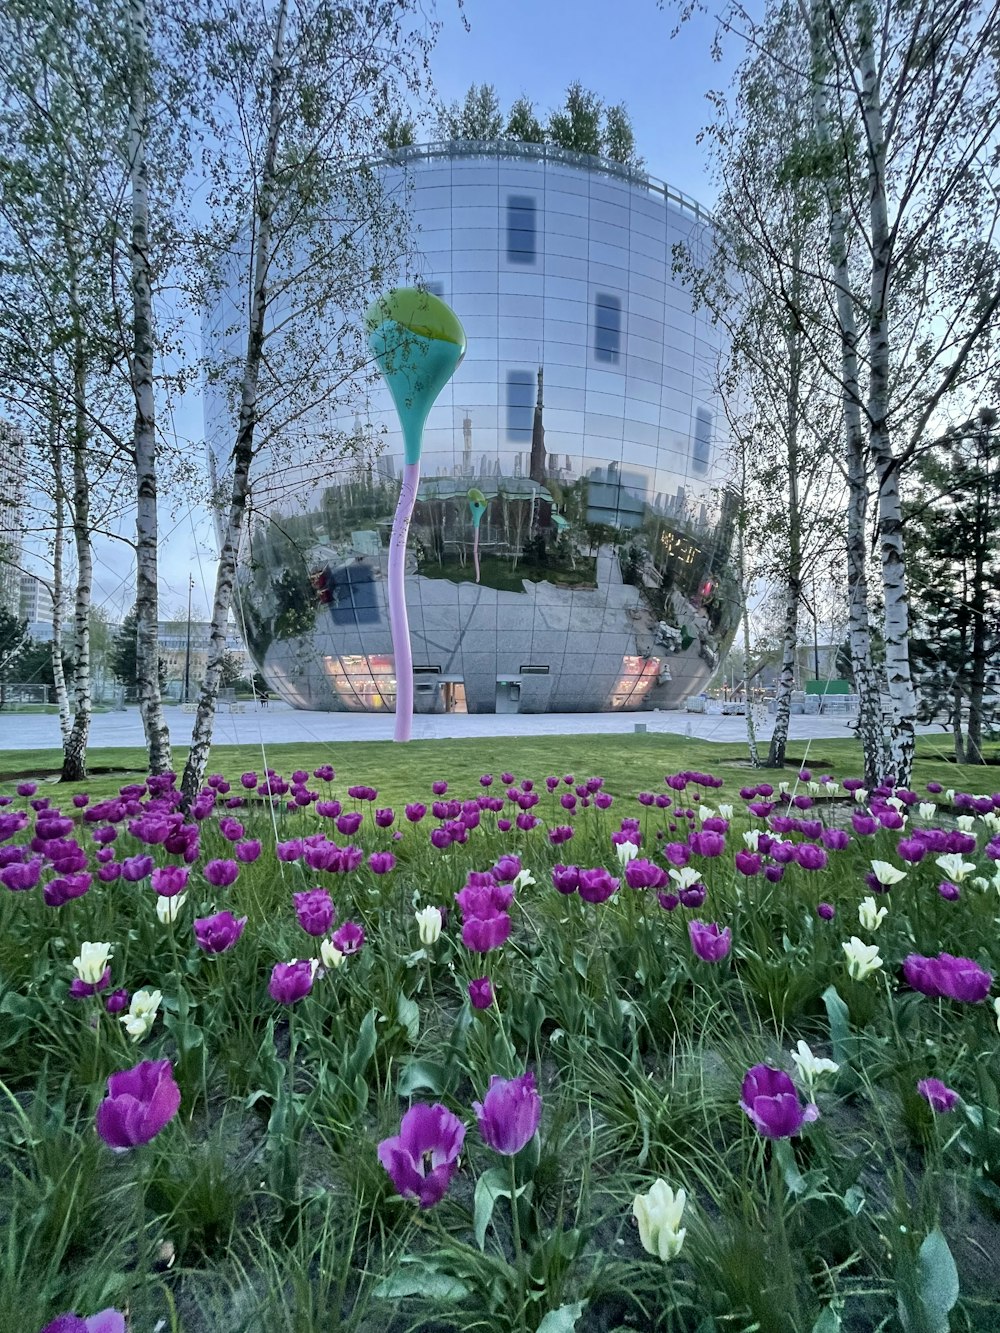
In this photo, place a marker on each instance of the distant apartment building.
(35, 606)
(11, 516)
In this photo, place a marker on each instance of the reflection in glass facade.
(583, 412)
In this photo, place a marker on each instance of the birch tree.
(304, 230)
(905, 103)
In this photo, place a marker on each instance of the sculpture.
(418, 343)
(477, 504)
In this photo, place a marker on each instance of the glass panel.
(520, 404)
(607, 328)
(701, 446)
(521, 224)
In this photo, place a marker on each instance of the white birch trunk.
(870, 729)
(144, 430)
(201, 735)
(58, 575)
(752, 751)
(793, 569)
(890, 514)
(74, 767)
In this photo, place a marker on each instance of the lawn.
(431, 1042)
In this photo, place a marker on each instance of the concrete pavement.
(279, 723)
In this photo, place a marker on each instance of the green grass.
(627, 762)
(266, 1192)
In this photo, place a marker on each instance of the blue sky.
(623, 52)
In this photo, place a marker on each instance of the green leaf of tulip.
(492, 1185)
(562, 1320)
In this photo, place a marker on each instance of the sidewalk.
(279, 723)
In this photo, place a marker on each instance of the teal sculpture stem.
(418, 343)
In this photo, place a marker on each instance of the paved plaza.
(279, 723)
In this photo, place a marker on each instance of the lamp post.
(187, 650)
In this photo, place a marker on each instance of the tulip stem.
(778, 1207)
(518, 1254)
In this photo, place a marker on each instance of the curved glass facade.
(583, 413)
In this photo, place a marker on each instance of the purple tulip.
(423, 1157)
(774, 874)
(82, 990)
(677, 853)
(947, 977)
(560, 834)
(415, 812)
(105, 1321)
(139, 1103)
(324, 773)
(385, 816)
(380, 863)
(26, 788)
(20, 876)
(220, 873)
(864, 825)
(709, 942)
(349, 938)
(290, 982)
(509, 1114)
(939, 1097)
(810, 857)
(362, 793)
(135, 868)
(566, 878)
(65, 887)
(216, 934)
(597, 885)
(948, 891)
(168, 881)
(481, 993)
(770, 1100)
(693, 896)
(825, 911)
(248, 850)
(315, 911)
(641, 874)
(117, 1001)
(480, 934)
(748, 863)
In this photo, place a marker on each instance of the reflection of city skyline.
(583, 412)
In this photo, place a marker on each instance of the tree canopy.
(583, 124)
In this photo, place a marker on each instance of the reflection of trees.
(276, 599)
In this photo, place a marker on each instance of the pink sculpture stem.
(475, 551)
(402, 653)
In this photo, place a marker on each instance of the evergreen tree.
(952, 528)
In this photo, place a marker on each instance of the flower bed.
(531, 1056)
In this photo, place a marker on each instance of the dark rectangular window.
(701, 445)
(520, 404)
(521, 229)
(607, 328)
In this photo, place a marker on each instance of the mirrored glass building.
(583, 414)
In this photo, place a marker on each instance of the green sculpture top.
(420, 312)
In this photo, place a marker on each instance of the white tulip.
(167, 909)
(955, 866)
(871, 915)
(811, 1067)
(141, 1013)
(429, 925)
(331, 955)
(686, 877)
(524, 877)
(91, 962)
(862, 959)
(886, 873)
(927, 810)
(627, 851)
(752, 837)
(658, 1213)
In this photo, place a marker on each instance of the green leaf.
(422, 1281)
(363, 1051)
(421, 1076)
(828, 1322)
(795, 1182)
(840, 1025)
(409, 1016)
(938, 1280)
(491, 1185)
(562, 1320)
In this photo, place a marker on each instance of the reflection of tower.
(484, 466)
(467, 446)
(518, 469)
(536, 468)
